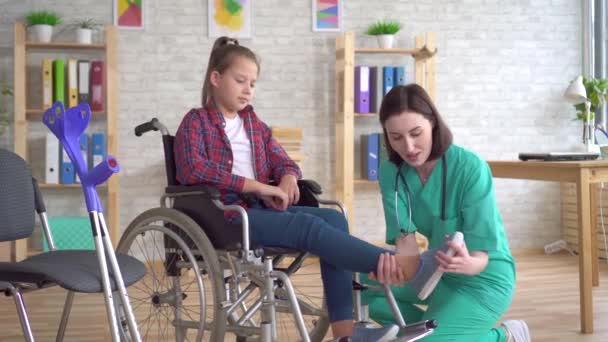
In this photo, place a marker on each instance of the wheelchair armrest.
(202, 189)
(198, 189)
(305, 184)
(310, 185)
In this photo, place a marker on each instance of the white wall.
(501, 69)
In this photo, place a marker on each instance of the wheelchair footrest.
(416, 331)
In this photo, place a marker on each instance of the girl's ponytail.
(223, 52)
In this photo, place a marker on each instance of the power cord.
(559, 245)
(602, 221)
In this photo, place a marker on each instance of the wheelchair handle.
(152, 125)
(146, 127)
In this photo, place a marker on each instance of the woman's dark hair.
(223, 53)
(413, 98)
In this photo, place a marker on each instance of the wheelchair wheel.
(174, 301)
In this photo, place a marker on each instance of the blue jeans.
(324, 233)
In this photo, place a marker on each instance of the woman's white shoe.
(517, 331)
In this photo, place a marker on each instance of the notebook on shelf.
(558, 156)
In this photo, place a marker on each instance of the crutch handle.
(102, 171)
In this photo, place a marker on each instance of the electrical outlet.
(555, 247)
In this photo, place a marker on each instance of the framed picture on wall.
(327, 15)
(230, 18)
(129, 14)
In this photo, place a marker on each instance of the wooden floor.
(546, 297)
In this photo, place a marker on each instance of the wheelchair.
(205, 281)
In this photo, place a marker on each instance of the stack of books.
(290, 138)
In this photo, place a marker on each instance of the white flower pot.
(83, 36)
(386, 40)
(42, 33)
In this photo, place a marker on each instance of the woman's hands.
(389, 272)
(462, 261)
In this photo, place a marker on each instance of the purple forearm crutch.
(68, 126)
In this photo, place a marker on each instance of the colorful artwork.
(327, 15)
(230, 18)
(129, 13)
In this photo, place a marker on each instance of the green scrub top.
(470, 205)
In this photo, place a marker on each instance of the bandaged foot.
(425, 268)
(407, 245)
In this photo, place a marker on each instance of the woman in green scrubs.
(450, 189)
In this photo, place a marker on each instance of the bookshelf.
(23, 116)
(423, 53)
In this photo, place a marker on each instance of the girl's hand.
(273, 197)
(289, 185)
(462, 261)
(389, 272)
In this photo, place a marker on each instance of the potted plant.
(84, 30)
(5, 91)
(588, 95)
(597, 94)
(385, 31)
(42, 23)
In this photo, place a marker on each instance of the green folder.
(59, 80)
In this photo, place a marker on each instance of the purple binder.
(361, 89)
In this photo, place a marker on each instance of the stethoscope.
(408, 195)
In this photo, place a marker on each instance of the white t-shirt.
(242, 164)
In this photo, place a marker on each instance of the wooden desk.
(585, 175)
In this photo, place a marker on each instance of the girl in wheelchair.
(224, 144)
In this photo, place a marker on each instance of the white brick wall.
(501, 69)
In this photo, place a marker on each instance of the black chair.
(73, 270)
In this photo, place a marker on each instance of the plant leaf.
(384, 27)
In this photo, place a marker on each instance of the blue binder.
(84, 150)
(98, 148)
(67, 168)
(388, 74)
(400, 75)
(369, 156)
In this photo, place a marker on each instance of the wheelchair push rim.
(182, 286)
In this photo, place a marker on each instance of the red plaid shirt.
(203, 154)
